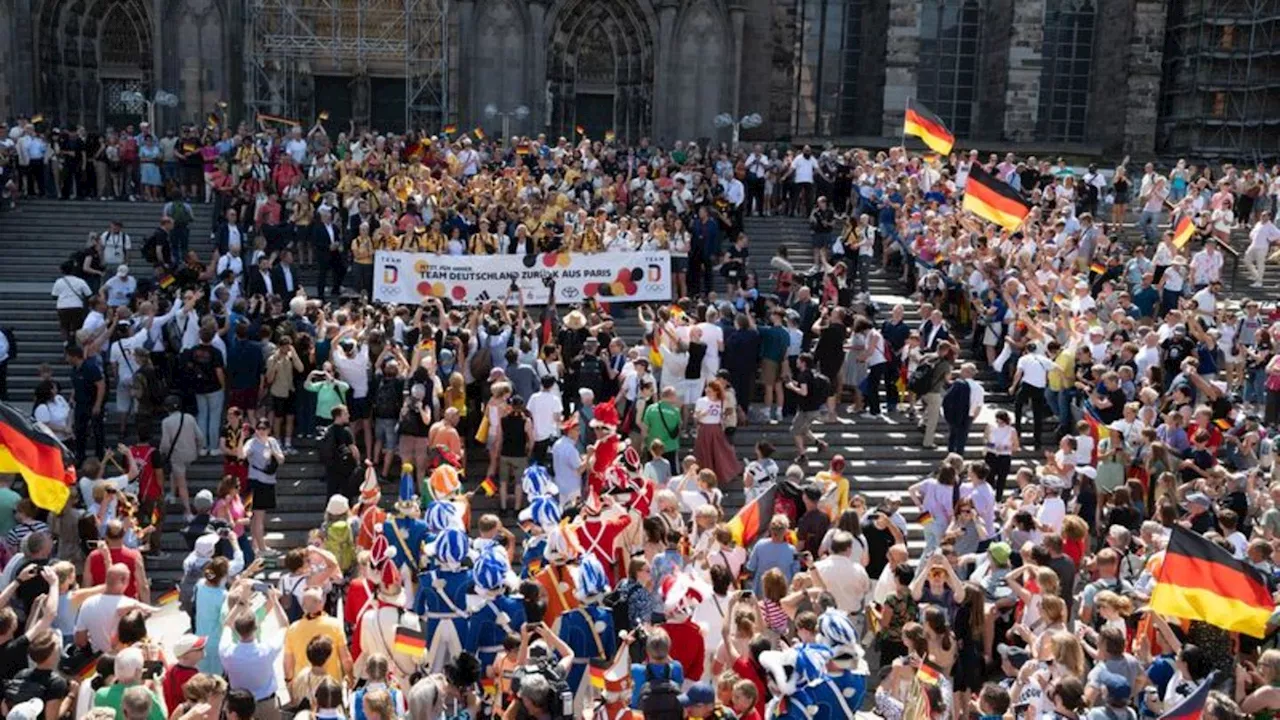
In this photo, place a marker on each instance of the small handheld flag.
(324, 115)
(37, 119)
(580, 129)
(928, 673)
(921, 123)
(1097, 268)
(1183, 233)
(488, 487)
(171, 596)
(410, 642)
(488, 686)
(212, 120)
(478, 132)
(450, 129)
(522, 148)
(925, 518)
(610, 136)
(597, 674)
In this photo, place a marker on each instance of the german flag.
(1200, 581)
(1098, 431)
(212, 120)
(925, 518)
(42, 460)
(522, 148)
(580, 129)
(478, 132)
(1223, 424)
(37, 119)
(923, 124)
(992, 200)
(597, 673)
(169, 597)
(166, 281)
(753, 519)
(488, 487)
(488, 686)
(1183, 233)
(450, 129)
(1192, 706)
(1097, 268)
(610, 136)
(929, 674)
(410, 642)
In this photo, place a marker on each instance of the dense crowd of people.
(628, 588)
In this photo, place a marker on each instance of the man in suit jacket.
(259, 280)
(284, 276)
(362, 214)
(229, 233)
(933, 331)
(331, 250)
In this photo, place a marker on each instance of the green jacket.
(329, 394)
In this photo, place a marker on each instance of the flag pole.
(904, 125)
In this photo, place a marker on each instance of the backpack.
(12, 339)
(187, 588)
(387, 399)
(819, 389)
(660, 698)
(338, 540)
(920, 381)
(480, 362)
(328, 447)
(180, 213)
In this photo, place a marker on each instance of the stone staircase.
(884, 455)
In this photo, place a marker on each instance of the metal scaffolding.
(292, 41)
(1221, 92)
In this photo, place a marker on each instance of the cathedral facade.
(1089, 77)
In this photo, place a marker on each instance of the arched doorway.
(92, 51)
(600, 69)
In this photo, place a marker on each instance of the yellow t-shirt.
(828, 478)
(301, 632)
(1063, 374)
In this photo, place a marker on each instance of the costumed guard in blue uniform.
(588, 628)
(442, 597)
(840, 693)
(789, 673)
(494, 614)
(406, 533)
(542, 514)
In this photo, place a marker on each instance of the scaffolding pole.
(290, 40)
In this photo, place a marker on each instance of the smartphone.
(747, 594)
(261, 587)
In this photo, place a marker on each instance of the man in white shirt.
(757, 168)
(121, 359)
(803, 168)
(843, 576)
(546, 410)
(713, 337)
(1031, 378)
(1206, 266)
(99, 616)
(119, 287)
(1263, 235)
(116, 244)
(296, 146)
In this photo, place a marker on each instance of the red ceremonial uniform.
(599, 536)
(370, 525)
(558, 585)
(688, 646)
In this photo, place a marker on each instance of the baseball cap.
(1199, 499)
(1016, 656)
(698, 694)
(1117, 687)
(187, 643)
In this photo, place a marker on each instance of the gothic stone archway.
(90, 52)
(600, 69)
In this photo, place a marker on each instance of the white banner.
(407, 278)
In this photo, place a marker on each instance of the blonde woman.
(494, 411)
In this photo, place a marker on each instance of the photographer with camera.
(445, 695)
(541, 683)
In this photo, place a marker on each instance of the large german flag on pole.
(1200, 581)
(994, 201)
(753, 519)
(929, 128)
(30, 450)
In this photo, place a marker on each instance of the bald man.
(100, 615)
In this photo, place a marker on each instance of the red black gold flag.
(923, 124)
(597, 674)
(580, 129)
(43, 461)
(994, 201)
(410, 642)
(450, 129)
(488, 487)
(1184, 232)
(1200, 581)
(610, 136)
(478, 132)
(928, 673)
(753, 519)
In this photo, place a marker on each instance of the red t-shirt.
(1073, 549)
(746, 669)
(689, 647)
(174, 678)
(125, 556)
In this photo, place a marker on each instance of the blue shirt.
(640, 675)
(83, 379)
(245, 365)
(251, 665)
(768, 554)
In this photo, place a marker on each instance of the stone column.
(465, 115)
(737, 25)
(660, 104)
(1022, 91)
(902, 55)
(538, 37)
(1146, 54)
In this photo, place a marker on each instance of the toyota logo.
(569, 292)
